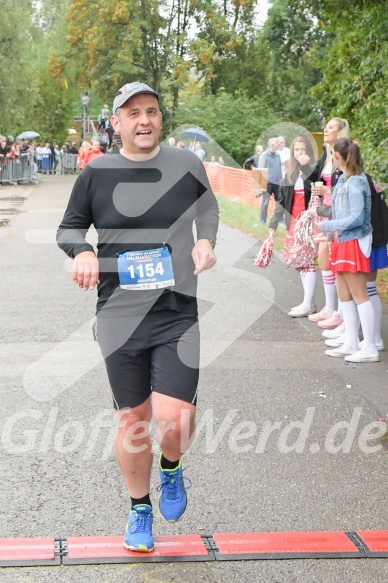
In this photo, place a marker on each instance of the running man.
(143, 202)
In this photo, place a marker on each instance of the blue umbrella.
(196, 134)
(27, 136)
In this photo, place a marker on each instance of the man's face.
(281, 143)
(273, 147)
(139, 122)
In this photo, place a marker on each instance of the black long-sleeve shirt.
(137, 206)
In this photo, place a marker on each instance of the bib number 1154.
(148, 269)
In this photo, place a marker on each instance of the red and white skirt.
(347, 256)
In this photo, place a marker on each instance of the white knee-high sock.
(367, 318)
(350, 313)
(377, 308)
(330, 289)
(309, 282)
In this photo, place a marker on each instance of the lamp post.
(84, 101)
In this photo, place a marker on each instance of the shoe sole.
(337, 355)
(369, 359)
(139, 549)
(295, 315)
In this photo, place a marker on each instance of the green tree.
(295, 46)
(235, 122)
(118, 41)
(16, 90)
(355, 75)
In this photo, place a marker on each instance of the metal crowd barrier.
(68, 163)
(21, 170)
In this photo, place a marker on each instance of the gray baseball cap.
(129, 90)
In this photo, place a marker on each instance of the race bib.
(148, 269)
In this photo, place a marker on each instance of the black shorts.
(158, 352)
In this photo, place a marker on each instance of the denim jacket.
(351, 208)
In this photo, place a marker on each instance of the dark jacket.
(314, 172)
(254, 160)
(286, 200)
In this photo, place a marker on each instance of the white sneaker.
(363, 355)
(336, 333)
(341, 351)
(379, 345)
(336, 342)
(301, 311)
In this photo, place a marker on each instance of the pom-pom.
(264, 256)
(302, 252)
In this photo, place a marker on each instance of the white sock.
(309, 282)
(330, 289)
(367, 317)
(349, 310)
(377, 308)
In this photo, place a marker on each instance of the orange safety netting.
(237, 184)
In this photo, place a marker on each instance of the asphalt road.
(284, 441)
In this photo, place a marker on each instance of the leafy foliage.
(215, 67)
(235, 122)
(355, 73)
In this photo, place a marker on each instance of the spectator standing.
(104, 140)
(46, 158)
(25, 157)
(94, 152)
(4, 151)
(110, 131)
(55, 156)
(83, 150)
(254, 160)
(73, 151)
(270, 159)
(199, 151)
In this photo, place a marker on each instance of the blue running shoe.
(173, 499)
(138, 534)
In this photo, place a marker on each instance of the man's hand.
(203, 255)
(85, 270)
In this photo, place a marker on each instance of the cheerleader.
(327, 172)
(350, 252)
(295, 194)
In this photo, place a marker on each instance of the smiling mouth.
(144, 133)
